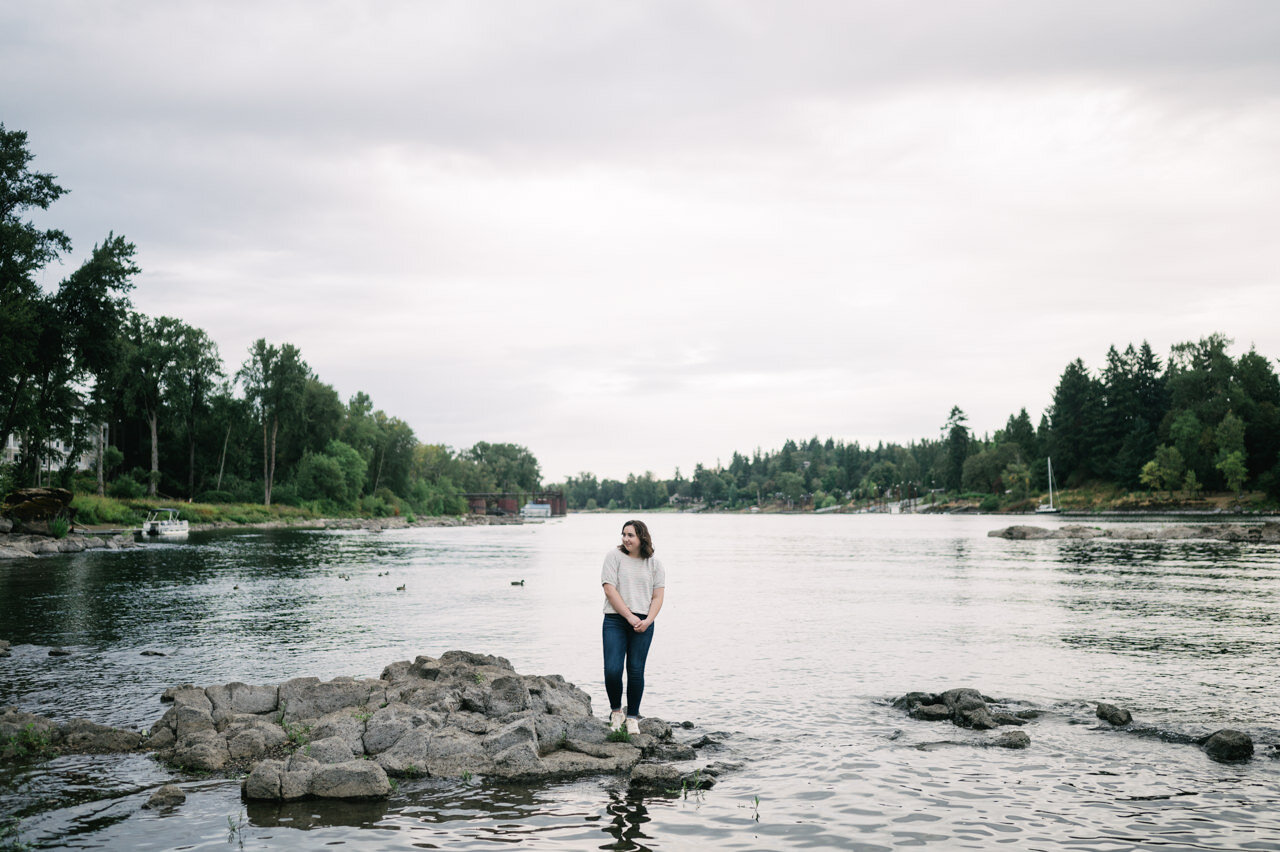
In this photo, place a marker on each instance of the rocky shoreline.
(20, 545)
(1268, 532)
(462, 715)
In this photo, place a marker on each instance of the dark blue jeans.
(624, 648)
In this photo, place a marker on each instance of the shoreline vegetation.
(123, 408)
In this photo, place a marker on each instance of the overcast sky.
(636, 236)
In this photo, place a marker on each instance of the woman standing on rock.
(634, 582)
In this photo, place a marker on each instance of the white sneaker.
(616, 718)
(633, 726)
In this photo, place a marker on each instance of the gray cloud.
(757, 220)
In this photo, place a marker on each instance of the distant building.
(54, 457)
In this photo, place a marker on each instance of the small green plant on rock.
(690, 784)
(59, 527)
(479, 677)
(28, 742)
(619, 736)
(298, 735)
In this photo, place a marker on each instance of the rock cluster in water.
(25, 735)
(458, 715)
(966, 708)
(1268, 532)
(969, 708)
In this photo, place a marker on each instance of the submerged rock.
(966, 708)
(1113, 714)
(1012, 739)
(1228, 746)
(168, 796)
(1268, 532)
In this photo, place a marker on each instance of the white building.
(54, 457)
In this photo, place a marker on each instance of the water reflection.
(309, 814)
(627, 818)
(840, 613)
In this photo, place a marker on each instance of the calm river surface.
(789, 634)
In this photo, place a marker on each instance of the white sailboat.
(1048, 508)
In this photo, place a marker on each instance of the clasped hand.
(640, 625)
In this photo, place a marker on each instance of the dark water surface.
(790, 634)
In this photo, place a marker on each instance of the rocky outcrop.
(1268, 532)
(20, 546)
(1228, 746)
(462, 714)
(26, 735)
(27, 505)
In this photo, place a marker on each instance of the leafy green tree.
(54, 350)
(190, 382)
(791, 486)
(1191, 438)
(505, 467)
(1165, 470)
(152, 349)
(1233, 470)
(274, 381)
(24, 250)
(336, 475)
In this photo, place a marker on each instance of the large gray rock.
(238, 698)
(656, 776)
(204, 751)
(969, 709)
(354, 779)
(1228, 746)
(84, 737)
(1114, 715)
(330, 750)
(307, 698)
(168, 796)
(347, 725)
(388, 724)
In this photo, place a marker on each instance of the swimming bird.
(399, 588)
(517, 582)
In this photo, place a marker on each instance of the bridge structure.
(509, 502)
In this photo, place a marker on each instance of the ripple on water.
(783, 637)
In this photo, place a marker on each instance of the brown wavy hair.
(646, 543)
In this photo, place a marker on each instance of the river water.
(785, 637)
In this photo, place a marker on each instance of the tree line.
(1198, 420)
(151, 401)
